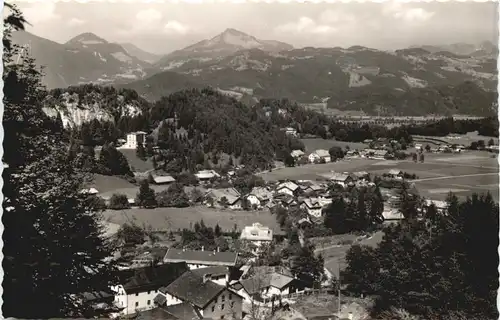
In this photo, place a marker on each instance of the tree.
(46, 217)
(421, 157)
(118, 202)
(174, 196)
(480, 144)
(414, 157)
(146, 196)
(455, 272)
(131, 234)
(428, 148)
(141, 152)
(491, 142)
(224, 202)
(289, 161)
(113, 162)
(336, 152)
(307, 267)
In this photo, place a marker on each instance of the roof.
(231, 194)
(392, 215)
(257, 232)
(261, 193)
(136, 133)
(259, 282)
(155, 314)
(361, 173)
(289, 185)
(97, 296)
(191, 288)
(437, 203)
(297, 153)
(151, 278)
(213, 271)
(395, 171)
(335, 176)
(312, 203)
(201, 257)
(90, 191)
(206, 174)
(182, 311)
(163, 179)
(322, 153)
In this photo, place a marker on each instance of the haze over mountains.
(249, 68)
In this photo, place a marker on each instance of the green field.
(178, 218)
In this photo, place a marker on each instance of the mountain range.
(238, 64)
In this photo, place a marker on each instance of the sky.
(164, 27)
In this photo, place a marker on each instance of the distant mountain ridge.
(226, 43)
(485, 48)
(140, 54)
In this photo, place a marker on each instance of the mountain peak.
(234, 32)
(87, 38)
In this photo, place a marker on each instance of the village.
(166, 279)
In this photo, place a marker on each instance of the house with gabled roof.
(138, 287)
(297, 154)
(201, 258)
(206, 175)
(197, 295)
(259, 197)
(215, 197)
(320, 154)
(312, 206)
(339, 178)
(288, 187)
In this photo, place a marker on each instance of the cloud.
(40, 12)
(75, 22)
(305, 25)
(174, 26)
(149, 16)
(398, 11)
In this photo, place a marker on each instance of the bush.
(119, 202)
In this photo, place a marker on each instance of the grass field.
(175, 218)
(318, 143)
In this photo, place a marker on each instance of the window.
(137, 304)
(222, 306)
(137, 294)
(223, 298)
(222, 317)
(149, 292)
(232, 304)
(213, 308)
(149, 302)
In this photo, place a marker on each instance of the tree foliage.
(456, 269)
(46, 217)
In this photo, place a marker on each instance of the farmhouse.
(391, 215)
(319, 155)
(139, 287)
(396, 173)
(288, 187)
(134, 139)
(266, 285)
(259, 196)
(206, 175)
(196, 259)
(258, 234)
(217, 274)
(200, 298)
(340, 178)
(228, 197)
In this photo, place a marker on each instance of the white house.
(288, 187)
(91, 191)
(320, 154)
(392, 215)
(162, 179)
(312, 206)
(342, 179)
(258, 234)
(134, 139)
(196, 259)
(139, 286)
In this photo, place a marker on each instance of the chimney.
(202, 248)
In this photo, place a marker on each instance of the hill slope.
(140, 54)
(85, 58)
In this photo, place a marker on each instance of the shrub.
(119, 202)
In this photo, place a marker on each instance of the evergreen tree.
(141, 152)
(54, 248)
(146, 196)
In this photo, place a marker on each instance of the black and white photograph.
(245, 160)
